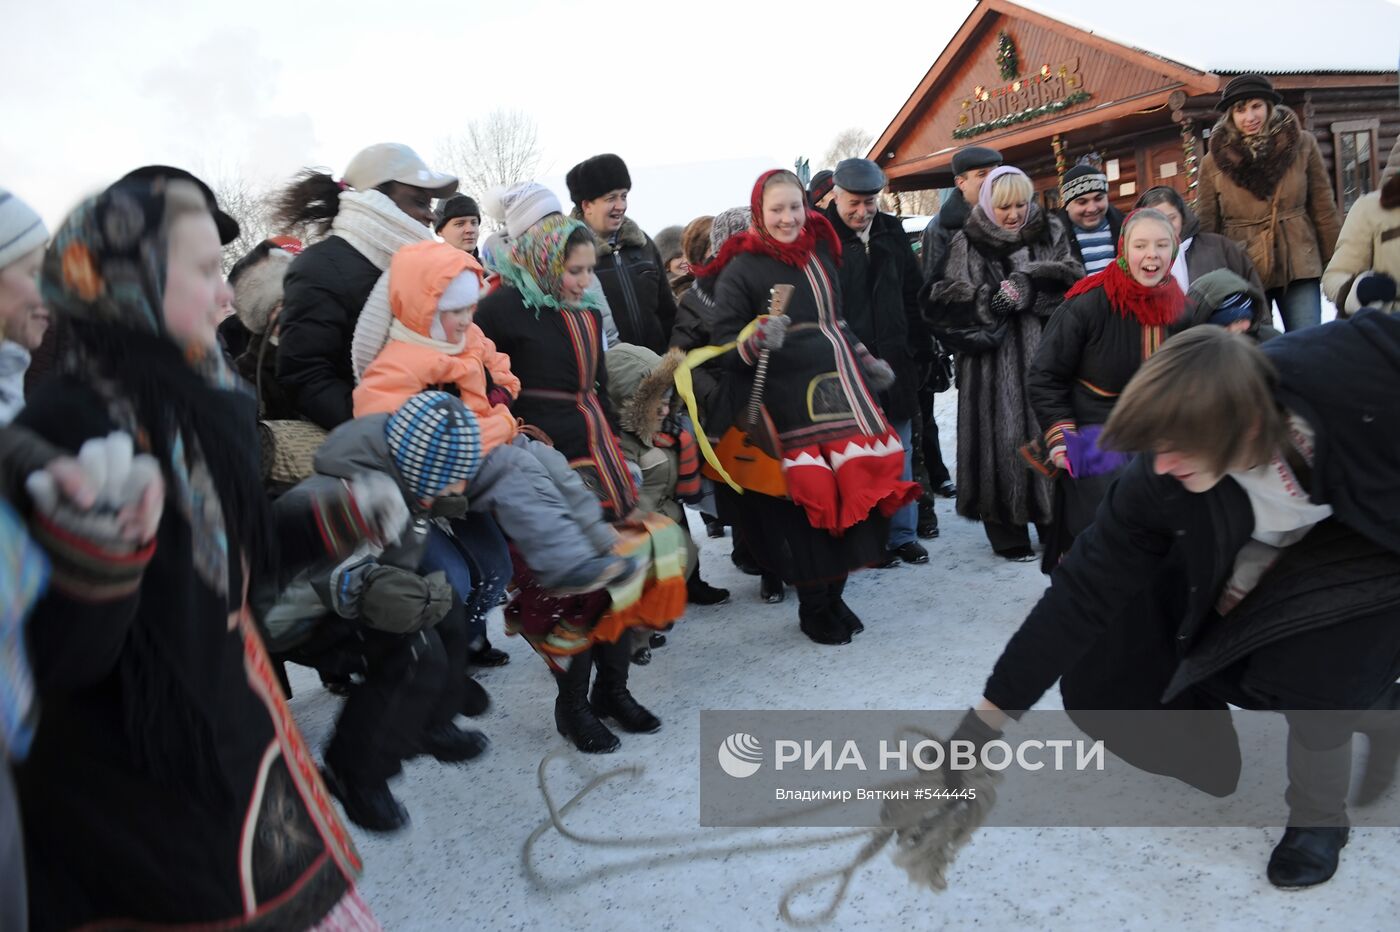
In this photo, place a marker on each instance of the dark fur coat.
(994, 411)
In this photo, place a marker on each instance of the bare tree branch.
(850, 143)
(498, 150)
(247, 203)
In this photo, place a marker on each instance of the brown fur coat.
(1272, 194)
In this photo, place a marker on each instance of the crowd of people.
(378, 427)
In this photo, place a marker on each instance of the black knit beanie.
(458, 205)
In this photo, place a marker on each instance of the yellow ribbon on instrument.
(685, 387)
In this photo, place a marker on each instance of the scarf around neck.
(372, 223)
(105, 273)
(757, 239)
(1158, 306)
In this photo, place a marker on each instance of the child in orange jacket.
(527, 486)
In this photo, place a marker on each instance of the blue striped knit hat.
(435, 442)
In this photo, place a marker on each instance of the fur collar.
(638, 414)
(629, 234)
(981, 230)
(1390, 192)
(1258, 167)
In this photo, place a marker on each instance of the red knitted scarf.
(1151, 307)
(758, 240)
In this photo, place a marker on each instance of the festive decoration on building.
(1188, 151)
(1057, 144)
(1031, 113)
(1006, 57)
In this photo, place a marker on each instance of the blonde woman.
(1006, 271)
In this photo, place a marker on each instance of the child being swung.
(538, 501)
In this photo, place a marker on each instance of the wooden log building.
(1135, 89)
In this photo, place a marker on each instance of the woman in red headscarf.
(840, 461)
(1110, 323)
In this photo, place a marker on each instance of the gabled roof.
(1232, 36)
(1190, 46)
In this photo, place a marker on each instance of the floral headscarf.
(535, 266)
(104, 275)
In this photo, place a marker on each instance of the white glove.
(381, 504)
(108, 495)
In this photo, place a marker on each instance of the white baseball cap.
(392, 161)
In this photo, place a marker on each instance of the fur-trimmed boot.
(610, 698)
(573, 716)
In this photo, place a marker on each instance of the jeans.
(1299, 303)
(477, 563)
(905, 521)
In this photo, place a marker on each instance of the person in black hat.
(880, 302)
(821, 189)
(227, 225)
(1264, 185)
(630, 267)
(457, 220)
(1087, 213)
(970, 168)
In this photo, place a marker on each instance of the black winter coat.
(1129, 620)
(117, 840)
(933, 245)
(325, 290)
(1115, 226)
(545, 351)
(638, 292)
(1087, 354)
(695, 316)
(880, 303)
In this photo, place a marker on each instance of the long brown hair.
(1206, 392)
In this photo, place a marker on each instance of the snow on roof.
(1273, 37)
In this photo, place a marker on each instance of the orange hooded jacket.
(412, 360)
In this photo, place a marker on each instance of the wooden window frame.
(1372, 125)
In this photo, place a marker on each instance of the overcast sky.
(93, 88)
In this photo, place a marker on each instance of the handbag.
(289, 450)
(940, 371)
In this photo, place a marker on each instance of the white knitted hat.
(21, 229)
(521, 206)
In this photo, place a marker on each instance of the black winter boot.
(367, 802)
(816, 619)
(610, 697)
(770, 588)
(841, 611)
(573, 716)
(452, 744)
(1306, 857)
(699, 592)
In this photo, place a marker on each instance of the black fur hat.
(592, 178)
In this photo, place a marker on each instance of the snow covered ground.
(932, 633)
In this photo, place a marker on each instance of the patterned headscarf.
(535, 266)
(105, 275)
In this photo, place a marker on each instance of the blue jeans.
(1299, 303)
(477, 564)
(905, 522)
